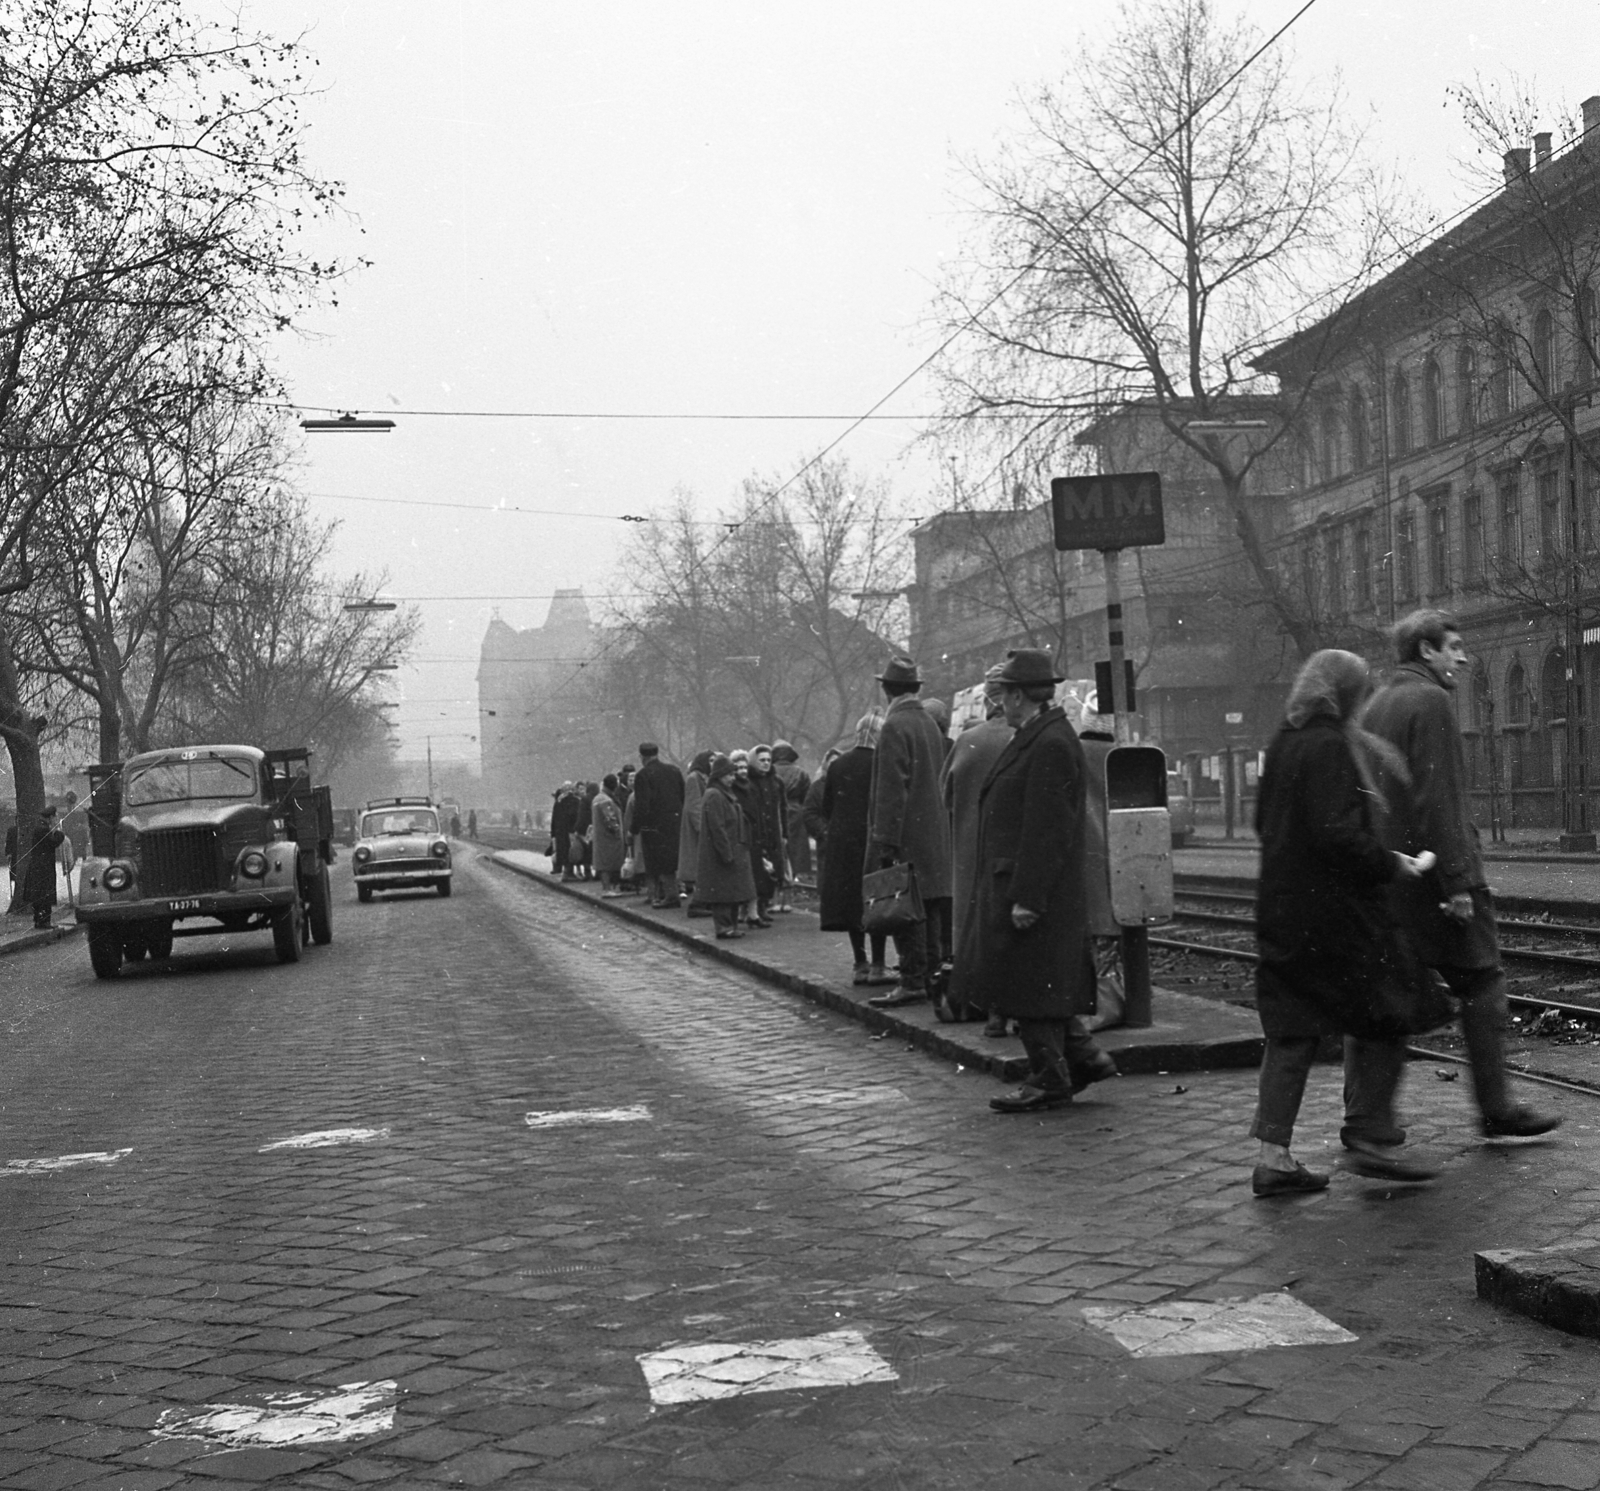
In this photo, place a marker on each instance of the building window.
(1361, 564)
(1584, 363)
(1336, 571)
(1547, 486)
(1508, 545)
(1466, 390)
(1544, 352)
(1438, 548)
(1553, 688)
(1358, 430)
(1405, 554)
(1480, 698)
(1432, 403)
(1330, 443)
(1516, 695)
(1400, 413)
(1472, 538)
(1500, 375)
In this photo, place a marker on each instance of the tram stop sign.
(1108, 512)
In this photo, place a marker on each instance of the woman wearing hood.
(796, 784)
(1327, 938)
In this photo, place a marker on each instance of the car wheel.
(444, 887)
(363, 893)
(320, 904)
(286, 933)
(105, 951)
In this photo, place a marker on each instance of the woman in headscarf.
(846, 793)
(739, 788)
(694, 787)
(1327, 939)
(606, 836)
(723, 878)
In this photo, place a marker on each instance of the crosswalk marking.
(561, 1118)
(353, 1410)
(64, 1162)
(326, 1139)
(695, 1374)
(1192, 1327)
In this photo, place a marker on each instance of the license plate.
(183, 905)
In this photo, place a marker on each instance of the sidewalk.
(1189, 1034)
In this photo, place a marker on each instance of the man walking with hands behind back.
(1447, 911)
(907, 824)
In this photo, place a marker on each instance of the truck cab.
(198, 840)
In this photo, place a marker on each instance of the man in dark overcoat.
(907, 823)
(658, 823)
(1447, 911)
(563, 823)
(1025, 954)
(37, 866)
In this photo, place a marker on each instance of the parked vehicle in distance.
(1180, 808)
(400, 846)
(228, 837)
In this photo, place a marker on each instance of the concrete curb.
(36, 937)
(1132, 1060)
(1559, 1288)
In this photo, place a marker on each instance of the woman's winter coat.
(694, 788)
(1323, 921)
(769, 827)
(966, 769)
(1030, 854)
(846, 790)
(722, 872)
(609, 844)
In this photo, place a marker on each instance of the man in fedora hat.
(906, 822)
(1025, 952)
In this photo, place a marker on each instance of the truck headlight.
(117, 877)
(253, 863)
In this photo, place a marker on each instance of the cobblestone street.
(532, 1145)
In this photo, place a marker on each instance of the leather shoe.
(1372, 1162)
(860, 974)
(1385, 1139)
(878, 974)
(997, 1028)
(900, 996)
(1520, 1122)
(1031, 1099)
(1102, 1066)
(1296, 1182)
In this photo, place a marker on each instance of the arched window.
(1553, 688)
(1544, 352)
(1516, 695)
(1466, 389)
(1400, 413)
(1330, 443)
(1432, 403)
(1500, 374)
(1358, 430)
(1480, 698)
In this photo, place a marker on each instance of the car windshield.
(201, 779)
(399, 821)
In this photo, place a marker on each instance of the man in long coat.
(658, 821)
(1448, 911)
(563, 823)
(723, 880)
(907, 823)
(966, 769)
(1025, 954)
(37, 866)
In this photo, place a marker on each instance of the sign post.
(1113, 513)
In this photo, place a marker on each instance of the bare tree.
(1167, 211)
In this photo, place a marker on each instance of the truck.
(194, 841)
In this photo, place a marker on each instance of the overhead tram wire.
(972, 319)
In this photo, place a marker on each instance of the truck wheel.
(286, 933)
(444, 887)
(363, 893)
(105, 951)
(319, 902)
(158, 939)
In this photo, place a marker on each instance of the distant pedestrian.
(907, 824)
(739, 788)
(723, 878)
(961, 781)
(1449, 911)
(606, 837)
(1324, 928)
(455, 825)
(842, 816)
(472, 823)
(694, 788)
(583, 831)
(563, 821)
(658, 823)
(796, 785)
(1025, 949)
(770, 827)
(37, 866)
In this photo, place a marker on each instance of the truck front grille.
(179, 861)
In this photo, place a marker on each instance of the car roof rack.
(398, 802)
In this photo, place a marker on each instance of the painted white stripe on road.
(561, 1118)
(695, 1374)
(326, 1139)
(353, 1410)
(64, 1162)
(830, 1097)
(1191, 1327)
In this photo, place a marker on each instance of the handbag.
(890, 900)
(1410, 999)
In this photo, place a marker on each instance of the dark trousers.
(1372, 1072)
(858, 945)
(1056, 1050)
(1285, 1064)
(930, 936)
(725, 915)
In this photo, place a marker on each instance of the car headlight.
(253, 863)
(117, 877)
(441, 849)
(362, 854)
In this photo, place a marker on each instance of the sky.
(700, 209)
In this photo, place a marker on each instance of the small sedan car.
(400, 847)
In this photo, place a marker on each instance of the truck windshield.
(205, 777)
(415, 821)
